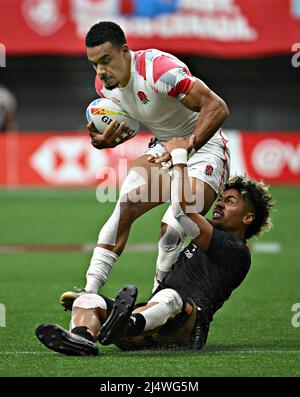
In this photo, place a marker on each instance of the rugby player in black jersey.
(180, 311)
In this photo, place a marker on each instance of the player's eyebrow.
(101, 59)
(227, 197)
(231, 196)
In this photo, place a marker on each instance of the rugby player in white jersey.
(156, 89)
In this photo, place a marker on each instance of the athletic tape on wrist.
(179, 156)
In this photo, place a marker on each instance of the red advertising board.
(225, 28)
(273, 157)
(68, 159)
(63, 159)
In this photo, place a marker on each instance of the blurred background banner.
(246, 51)
(68, 159)
(222, 28)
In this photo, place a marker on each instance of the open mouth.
(217, 214)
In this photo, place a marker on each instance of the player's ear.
(125, 49)
(249, 218)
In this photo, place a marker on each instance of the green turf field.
(251, 335)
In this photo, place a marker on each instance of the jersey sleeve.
(228, 251)
(172, 77)
(99, 87)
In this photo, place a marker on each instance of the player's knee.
(169, 241)
(130, 195)
(169, 248)
(90, 301)
(171, 299)
(170, 220)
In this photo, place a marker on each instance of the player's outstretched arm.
(182, 200)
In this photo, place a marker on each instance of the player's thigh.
(205, 195)
(149, 184)
(180, 335)
(208, 172)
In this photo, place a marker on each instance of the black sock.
(136, 324)
(82, 331)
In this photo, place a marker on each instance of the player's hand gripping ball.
(103, 111)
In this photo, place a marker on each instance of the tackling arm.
(182, 199)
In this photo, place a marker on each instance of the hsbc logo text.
(67, 160)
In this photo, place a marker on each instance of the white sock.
(156, 315)
(100, 266)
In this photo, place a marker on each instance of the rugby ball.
(103, 111)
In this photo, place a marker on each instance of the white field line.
(238, 351)
(25, 353)
(266, 247)
(253, 351)
(46, 192)
(270, 247)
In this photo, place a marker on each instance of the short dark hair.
(258, 198)
(105, 31)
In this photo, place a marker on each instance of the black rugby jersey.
(210, 277)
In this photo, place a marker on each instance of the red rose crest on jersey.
(209, 169)
(143, 97)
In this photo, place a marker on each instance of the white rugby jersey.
(158, 82)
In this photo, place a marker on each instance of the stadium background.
(50, 216)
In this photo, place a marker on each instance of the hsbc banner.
(64, 159)
(68, 159)
(225, 28)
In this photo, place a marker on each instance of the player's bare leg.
(89, 311)
(144, 188)
(87, 321)
(153, 190)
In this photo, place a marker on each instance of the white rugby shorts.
(210, 164)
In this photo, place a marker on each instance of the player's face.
(111, 63)
(231, 211)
